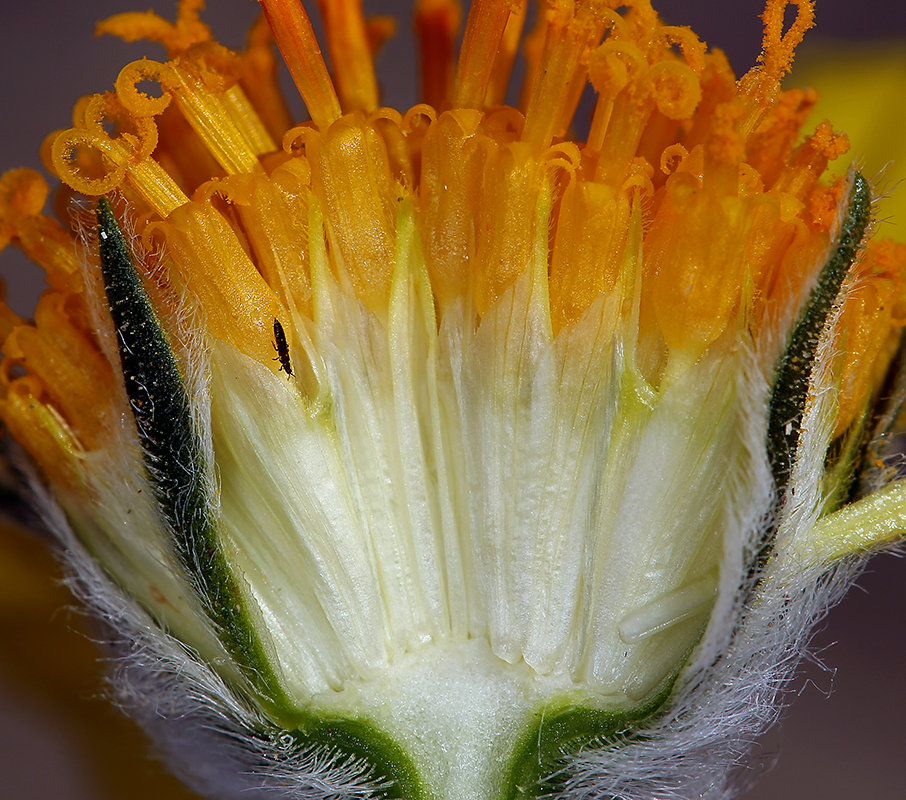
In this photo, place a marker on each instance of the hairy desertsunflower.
(438, 454)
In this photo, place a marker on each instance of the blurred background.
(842, 738)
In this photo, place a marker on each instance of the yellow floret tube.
(239, 307)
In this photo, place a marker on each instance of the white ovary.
(452, 483)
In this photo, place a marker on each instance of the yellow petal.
(862, 88)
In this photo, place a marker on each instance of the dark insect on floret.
(282, 348)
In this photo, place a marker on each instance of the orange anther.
(294, 35)
(437, 24)
(347, 42)
(484, 30)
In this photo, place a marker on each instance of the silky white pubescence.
(517, 517)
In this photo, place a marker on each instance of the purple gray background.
(843, 738)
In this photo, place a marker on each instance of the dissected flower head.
(442, 454)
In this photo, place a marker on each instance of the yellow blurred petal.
(862, 87)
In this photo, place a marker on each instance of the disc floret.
(444, 439)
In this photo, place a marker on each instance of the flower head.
(440, 454)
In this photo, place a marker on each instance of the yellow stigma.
(692, 207)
